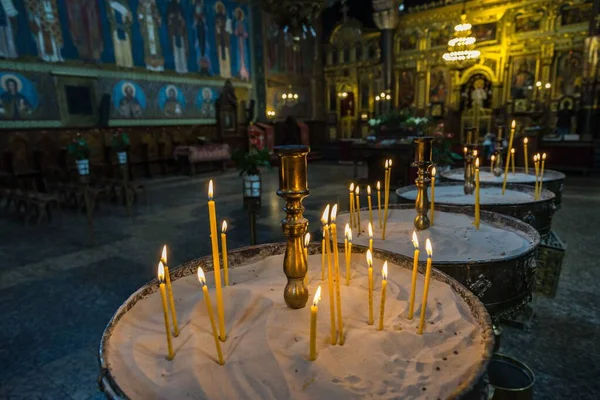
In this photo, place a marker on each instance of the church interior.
(465, 138)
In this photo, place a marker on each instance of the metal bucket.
(510, 379)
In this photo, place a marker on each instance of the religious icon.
(476, 92)
(8, 19)
(201, 42)
(479, 94)
(523, 78)
(570, 15)
(528, 22)
(18, 98)
(171, 101)
(120, 19)
(568, 75)
(85, 28)
(44, 24)
(438, 85)
(129, 99)
(484, 32)
(406, 88)
(223, 39)
(178, 34)
(407, 41)
(242, 35)
(206, 103)
(150, 22)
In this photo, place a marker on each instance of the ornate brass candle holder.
(469, 186)
(498, 151)
(293, 187)
(422, 162)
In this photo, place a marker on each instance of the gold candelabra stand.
(423, 162)
(497, 170)
(469, 186)
(293, 188)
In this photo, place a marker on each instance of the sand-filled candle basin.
(497, 263)
(266, 352)
(553, 180)
(518, 201)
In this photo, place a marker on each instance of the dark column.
(387, 59)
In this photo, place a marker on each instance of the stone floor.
(57, 292)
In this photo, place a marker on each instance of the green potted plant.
(80, 151)
(248, 164)
(442, 153)
(120, 143)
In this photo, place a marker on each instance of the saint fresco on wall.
(85, 28)
(569, 69)
(477, 92)
(523, 77)
(18, 97)
(241, 33)
(438, 85)
(205, 102)
(529, 22)
(406, 88)
(484, 32)
(44, 24)
(178, 34)
(129, 99)
(120, 19)
(200, 38)
(171, 101)
(8, 16)
(150, 23)
(223, 31)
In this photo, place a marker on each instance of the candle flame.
(352, 187)
(369, 258)
(493, 157)
(357, 190)
(544, 156)
(390, 163)
(210, 190)
(475, 153)
(369, 190)
(525, 140)
(161, 272)
(477, 162)
(415, 240)
(513, 124)
(224, 226)
(325, 216)
(333, 213)
(378, 185)
(346, 229)
(370, 230)
(306, 239)
(428, 248)
(465, 150)
(317, 296)
(163, 256)
(512, 151)
(384, 271)
(386, 164)
(201, 277)
(350, 235)
(433, 172)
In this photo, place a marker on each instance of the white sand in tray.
(486, 176)
(266, 351)
(489, 195)
(453, 237)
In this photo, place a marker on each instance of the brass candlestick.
(293, 187)
(469, 186)
(422, 162)
(497, 170)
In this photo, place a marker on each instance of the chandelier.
(461, 48)
(290, 98)
(294, 17)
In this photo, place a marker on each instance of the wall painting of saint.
(241, 32)
(85, 28)
(569, 79)
(150, 23)
(129, 99)
(18, 97)
(523, 77)
(8, 25)
(178, 34)
(438, 85)
(201, 38)
(223, 32)
(528, 22)
(171, 101)
(120, 19)
(44, 25)
(205, 102)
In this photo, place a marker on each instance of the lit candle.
(492, 164)
(541, 176)
(224, 251)
(386, 196)
(357, 203)
(512, 160)
(384, 272)
(323, 250)
(163, 297)
(370, 237)
(413, 284)
(209, 309)
(426, 286)
(379, 203)
(433, 172)
(525, 141)
(314, 309)
(212, 213)
(351, 204)
(170, 298)
(465, 151)
(325, 222)
(348, 255)
(370, 270)
(510, 146)
(336, 260)
(306, 243)
(369, 201)
(346, 229)
(537, 171)
(477, 195)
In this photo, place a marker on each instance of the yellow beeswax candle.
(370, 271)
(336, 260)
(512, 160)
(369, 202)
(426, 286)
(433, 172)
(379, 203)
(492, 164)
(370, 237)
(212, 213)
(346, 229)
(352, 208)
(537, 171)
(348, 256)
(306, 243)
(413, 283)
(510, 146)
(525, 141)
(170, 298)
(314, 309)
(477, 194)
(386, 196)
(384, 272)
(224, 251)
(541, 176)
(163, 297)
(330, 285)
(209, 309)
(357, 203)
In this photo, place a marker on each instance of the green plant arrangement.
(442, 147)
(248, 163)
(120, 141)
(79, 148)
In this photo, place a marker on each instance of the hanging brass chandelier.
(461, 48)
